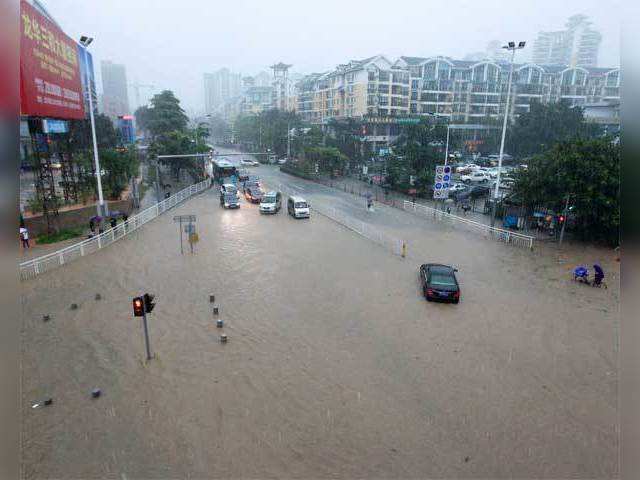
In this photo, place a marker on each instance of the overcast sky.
(172, 43)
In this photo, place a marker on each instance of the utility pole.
(564, 223)
(510, 46)
(288, 140)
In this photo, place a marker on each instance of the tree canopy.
(545, 125)
(588, 172)
(164, 115)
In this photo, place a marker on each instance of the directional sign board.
(184, 218)
(442, 182)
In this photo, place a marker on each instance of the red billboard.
(50, 84)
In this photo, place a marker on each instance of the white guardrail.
(499, 234)
(395, 245)
(37, 266)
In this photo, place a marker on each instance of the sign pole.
(181, 251)
(146, 335)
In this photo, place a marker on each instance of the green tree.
(328, 159)
(106, 134)
(586, 171)
(165, 115)
(544, 126)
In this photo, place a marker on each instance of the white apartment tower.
(577, 46)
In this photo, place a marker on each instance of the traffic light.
(561, 219)
(148, 302)
(138, 307)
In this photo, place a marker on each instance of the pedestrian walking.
(113, 222)
(24, 237)
(92, 225)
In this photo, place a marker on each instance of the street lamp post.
(102, 208)
(512, 47)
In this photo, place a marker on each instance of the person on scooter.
(598, 274)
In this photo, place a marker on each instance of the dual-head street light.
(512, 47)
(102, 208)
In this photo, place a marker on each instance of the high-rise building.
(219, 87)
(282, 86)
(115, 98)
(577, 46)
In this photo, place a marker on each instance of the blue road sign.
(446, 177)
(438, 186)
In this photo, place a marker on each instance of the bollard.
(219, 323)
(223, 338)
(215, 310)
(212, 298)
(404, 249)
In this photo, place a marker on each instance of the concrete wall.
(73, 218)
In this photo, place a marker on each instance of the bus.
(222, 169)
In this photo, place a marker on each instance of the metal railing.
(38, 266)
(393, 244)
(500, 234)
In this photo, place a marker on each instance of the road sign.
(184, 218)
(439, 194)
(442, 182)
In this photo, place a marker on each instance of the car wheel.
(457, 300)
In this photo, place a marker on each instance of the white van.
(298, 207)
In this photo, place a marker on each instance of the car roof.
(438, 267)
(226, 185)
(297, 199)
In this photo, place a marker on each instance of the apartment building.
(461, 90)
(386, 94)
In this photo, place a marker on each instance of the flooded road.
(335, 365)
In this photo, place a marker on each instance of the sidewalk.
(396, 199)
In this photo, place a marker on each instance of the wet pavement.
(335, 365)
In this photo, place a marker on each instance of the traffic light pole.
(146, 335)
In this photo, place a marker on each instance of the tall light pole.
(102, 208)
(511, 46)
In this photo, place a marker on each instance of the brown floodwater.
(335, 365)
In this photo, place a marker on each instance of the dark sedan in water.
(439, 282)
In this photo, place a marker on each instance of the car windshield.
(230, 197)
(269, 199)
(442, 280)
(300, 205)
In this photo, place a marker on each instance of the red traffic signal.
(561, 218)
(148, 302)
(138, 307)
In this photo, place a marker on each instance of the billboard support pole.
(102, 208)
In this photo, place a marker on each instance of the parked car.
(456, 188)
(439, 282)
(271, 202)
(477, 176)
(253, 194)
(282, 161)
(468, 168)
